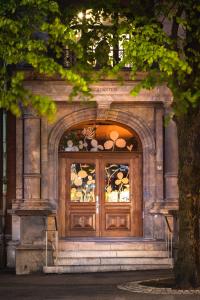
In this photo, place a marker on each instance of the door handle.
(97, 204)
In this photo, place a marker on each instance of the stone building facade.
(39, 180)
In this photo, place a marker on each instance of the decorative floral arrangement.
(85, 140)
(82, 182)
(117, 183)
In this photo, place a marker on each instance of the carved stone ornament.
(103, 106)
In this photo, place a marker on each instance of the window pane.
(117, 183)
(83, 182)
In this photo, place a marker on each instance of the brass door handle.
(97, 204)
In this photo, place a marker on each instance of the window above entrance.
(99, 137)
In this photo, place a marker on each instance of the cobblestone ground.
(80, 286)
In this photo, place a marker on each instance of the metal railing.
(54, 242)
(115, 56)
(169, 239)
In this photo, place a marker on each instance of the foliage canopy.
(31, 32)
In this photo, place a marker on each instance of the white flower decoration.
(82, 145)
(95, 146)
(70, 147)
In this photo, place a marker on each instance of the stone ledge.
(139, 287)
(31, 74)
(164, 207)
(110, 91)
(98, 268)
(33, 247)
(31, 212)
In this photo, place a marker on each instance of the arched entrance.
(100, 181)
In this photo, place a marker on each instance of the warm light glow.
(87, 14)
(80, 15)
(99, 137)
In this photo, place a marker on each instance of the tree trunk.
(187, 266)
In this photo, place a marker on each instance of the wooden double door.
(100, 194)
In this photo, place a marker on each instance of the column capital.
(29, 113)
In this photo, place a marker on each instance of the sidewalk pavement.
(93, 286)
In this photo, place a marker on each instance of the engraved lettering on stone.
(99, 90)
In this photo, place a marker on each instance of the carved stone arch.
(65, 123)
(134, 122)
(124, 118)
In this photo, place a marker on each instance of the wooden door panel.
(82, 224)
(80, 198)
(116, 210)
(83, 221)
(118, 221)
(118, 217)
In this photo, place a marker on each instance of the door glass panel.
(117, 183)
(82, 188)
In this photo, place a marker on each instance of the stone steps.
(109, 255)
(104, 268)
(112, 245)
(95, 261)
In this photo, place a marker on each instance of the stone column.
(171, 164)
(171, 175)
(31, 164)
(158, 218)
(159, 154)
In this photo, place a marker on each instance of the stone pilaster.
(158, 218)
(32, 163)
(171, 165)
(159, 154)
